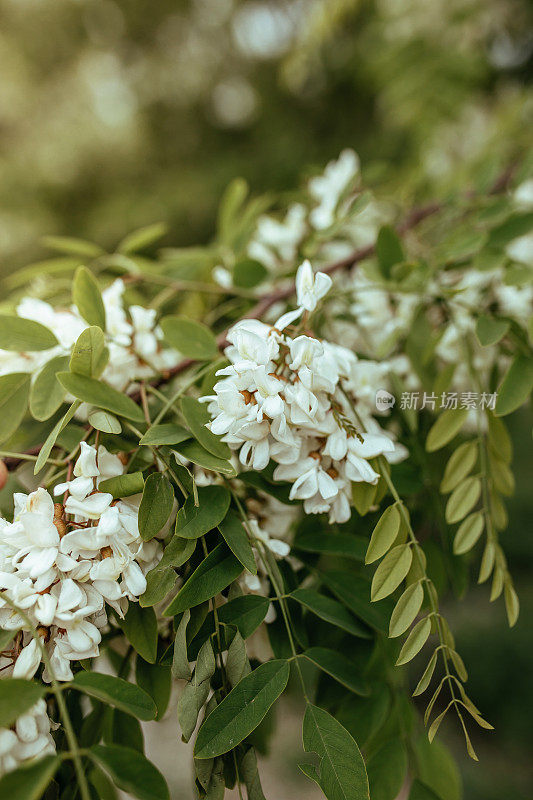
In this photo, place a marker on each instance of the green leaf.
(241, 711)
(391, 572)
(329, 610)
(512, 603)
(249, 273)
(427, 675)
(155, 680)
(14, 394)
(140, 629)
(516, 386)
(437, 769)
(354, 593)
(406, 609)
(195, 521)
(250, 775)
(230, 207)
(123, 485)
(89, 390)
(116, 692)
(513, 227)
(142, 238)
(181, 669)
(363, 496)
(89, 354)
(166, 433)
(131, 771)
(445, 428)
(236, 538)
(246, 613)
(341, 774)
(50, 441)
(490, 330)
(215, 572)
(176, 553)
(459, 466)
(124, 730)
(192, 451)
(47, 394)
(384, 534)
(389, 250)
(196, 416)
(16, 697)
(338, 666)
(415, 641)
(21, 335)
(156, 505)
(196, 691)
(158, 584)
(468, 533)
(334, 544)
(29, 782)
(105, 422)
(72, 246)
(387, 769)
(420, 791)
(191, 339)
(87, 298)
(463, 499)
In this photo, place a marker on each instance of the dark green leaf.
(131, 771)
(354, 593)
(241, 711)
(29, 782)
(388, 250)
(335, 544)
(156, 505)
(246, 613)
(236, 538)
(330, 610)
(14, 394)
(194, 521)
(387, 770)
(338, 666)
(194, 452)
(196, 416)
(155, 680)
(215, 572)
(16, 697)
(140, 629)
(490, 330)
(249, 273)
(116, 692)
(341, 774)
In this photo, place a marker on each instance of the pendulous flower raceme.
(288, 396)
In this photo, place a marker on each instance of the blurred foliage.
(116, 114)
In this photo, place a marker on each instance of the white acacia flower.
(29, 738)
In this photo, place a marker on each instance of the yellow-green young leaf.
(141, 238)
(50, 441)
(516, 386)
(24, 335)
(391, 572)
(406, 609)
(463, 499)
(459, 466)
(123, 485)
(156, 505)
(417, 571)
(512, 604)
(445, 428)
(29, 782)
(230, 207)
(341, 773)
(196, 416)
(498, 577)
(72, 246)
(87, 298)
(468, 533)
(458, 664)
(46, 393)
(14, 394)
(99, 394)
(429, 709)
(241, 711)
(490, 330)
(487, 562)
(191, 339)
(499, 514)
(90, 354)
(433, 728)
(502, 476)
(415, 641)
(425, 680)
(383, 534)
(105, 422)
(499, 439)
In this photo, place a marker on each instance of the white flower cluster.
(61, 564)
(281, 399)
(29, 738)
(132, 336)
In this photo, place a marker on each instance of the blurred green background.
(118, 113)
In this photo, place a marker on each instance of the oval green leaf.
(21, 335)
(415, 641)
(406, 609)
(89, 390)
(89, 354)
(445, 428)
(47, 393)
(194, 521)
(468, 533)
(156, 505)
(87, 298)
(463, 499)
(215, 572)
(191, 339)
(116, 692)
(14, 394)
(131, 771)
(16, 697)
(384, 534)
(391, 572)
(196, 416)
